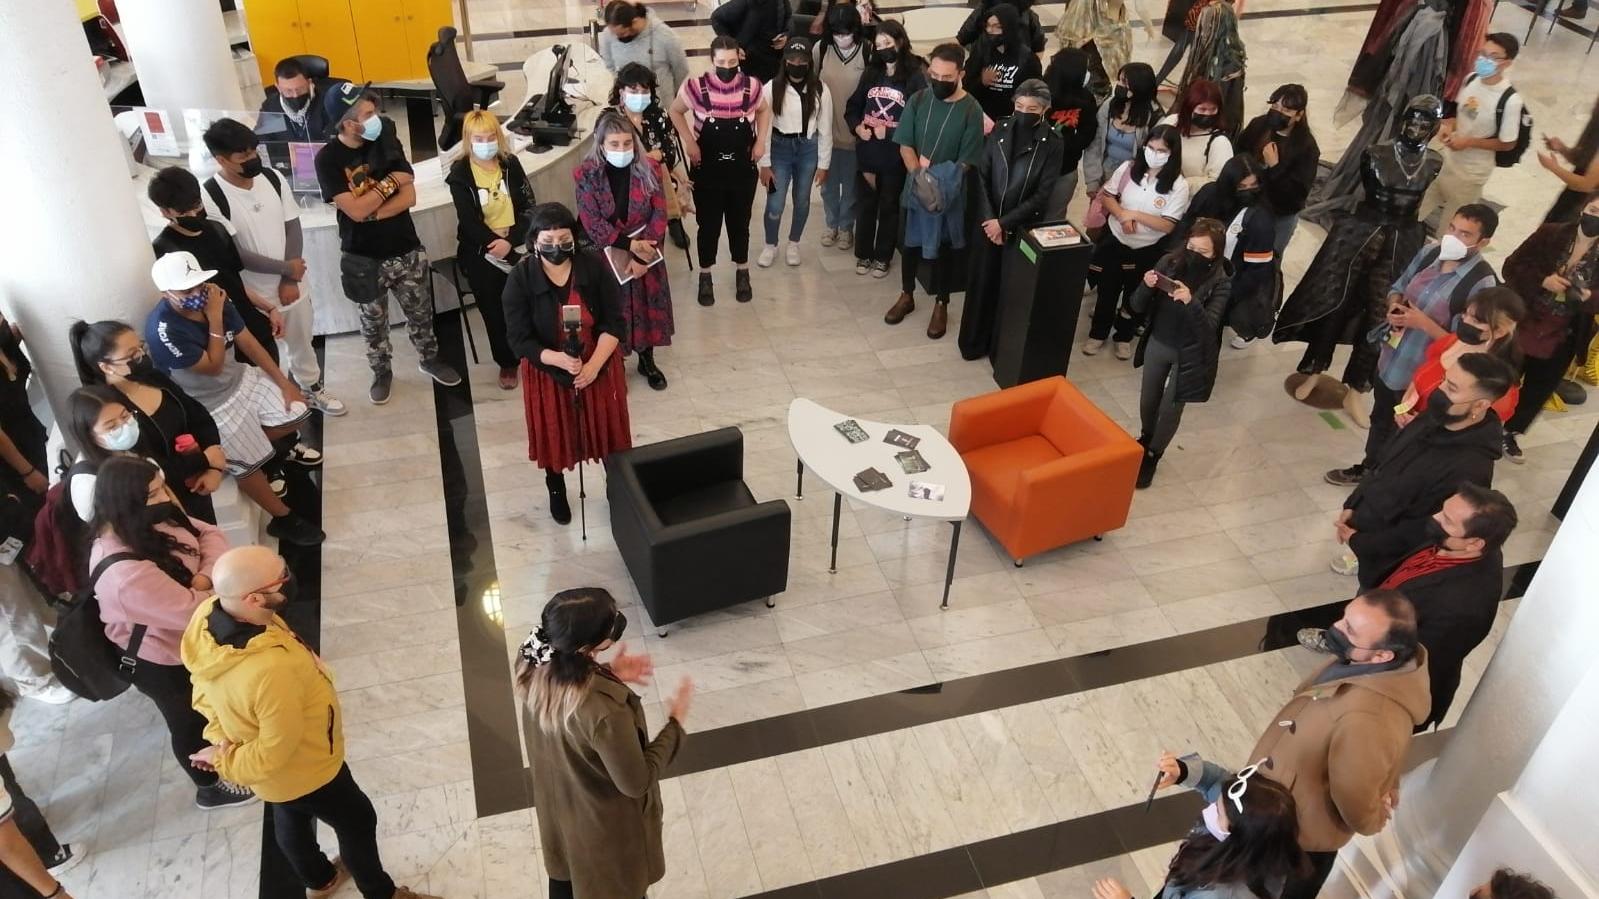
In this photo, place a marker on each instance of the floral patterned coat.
(646, 301)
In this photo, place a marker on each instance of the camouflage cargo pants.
(407, 278)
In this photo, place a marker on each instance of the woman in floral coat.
(622, 206)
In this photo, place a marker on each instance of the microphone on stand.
(571, 321)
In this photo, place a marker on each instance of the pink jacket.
(135, 591)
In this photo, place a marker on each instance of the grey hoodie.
(657, 48)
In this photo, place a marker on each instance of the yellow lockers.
(363, 40)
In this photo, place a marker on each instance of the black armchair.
(456, 94)
(691, 533)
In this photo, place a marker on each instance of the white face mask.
(1156, 158)
(1212, 819)
(1452, 248)
(123, 437)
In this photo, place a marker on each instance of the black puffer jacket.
(1197, 357)
(1420, 467)
(1015, 191)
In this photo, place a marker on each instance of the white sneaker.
(1240, 343)
(1124, 350)
(791, 253)
(1345, 564)
(829, 237)
(1091, 347)
(328, 404)
(767, 257)
(846, 239)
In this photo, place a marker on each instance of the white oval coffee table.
(835, 460)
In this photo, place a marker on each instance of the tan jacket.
(596, 788)
(1339, 747)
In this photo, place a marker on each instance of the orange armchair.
(1047, 467)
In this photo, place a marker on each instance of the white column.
(72, 242)
(180, 50)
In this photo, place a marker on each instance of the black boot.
(707, 290)
(679, 236)
(560, 509)
(647, 368)
(741, 286)
(1146, 469)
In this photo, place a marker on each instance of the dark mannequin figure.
(1343, 294)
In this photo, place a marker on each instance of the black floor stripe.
(304, 617)
(1034, 852)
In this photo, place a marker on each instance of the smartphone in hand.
(1164, 283)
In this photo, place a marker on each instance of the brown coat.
(1340, 746)
(596, 790)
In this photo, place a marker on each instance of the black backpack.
(1509, 158)
(221, 199)
(81, 655)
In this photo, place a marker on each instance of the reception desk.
(549, 173)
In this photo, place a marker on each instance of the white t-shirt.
(1203, 155)
(1477, 107)
(789, 121)
(1141, 196)
(257, 217)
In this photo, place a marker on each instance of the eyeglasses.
(271, 587)
(1240, 783)
(139, 352)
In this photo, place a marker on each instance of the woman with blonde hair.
(595, 773)
(492, 202)
(621, 201)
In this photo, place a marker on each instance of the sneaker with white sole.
(767, 257)
(279, 484)
(1092, 346)
(879, 269)
(846, 239)
(320, 399)
(1345, 564)
(791, 253)
(862, 266)
(1124, 350)
(439, 372)
(829, 237)
(1240, 343)
(303, 455)
(1513, 449)
(223, 794)
(382, 387)
(63, 861)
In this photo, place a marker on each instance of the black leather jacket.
(1016, 191)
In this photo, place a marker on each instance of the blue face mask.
(636, 103)
(485, 149)
(1486, 68)
(619, 158)
(372, 128)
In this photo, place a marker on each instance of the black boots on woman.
(647, 368)
(1146, 468)
(560, 509)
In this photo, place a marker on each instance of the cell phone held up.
(1164, 284)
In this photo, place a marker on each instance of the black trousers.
(1321, 865)
(877, 215)
(27, 815)
(723, 197)
(980, 314)
(910, 259)
(1116, 271)
(488, 286)
(1539, 378)
(349, 812)
(169, 688)
(1383, 425)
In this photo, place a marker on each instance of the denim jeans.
(793, 167)
(1285, 233)
(838, 194)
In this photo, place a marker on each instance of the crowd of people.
(1190, 212)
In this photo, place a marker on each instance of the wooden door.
(380, 33)
(329, 31)
(275, 32)
(423, 19)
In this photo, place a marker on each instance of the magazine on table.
(871, 479)
(852, 431)
(911, 461)
(924, 490)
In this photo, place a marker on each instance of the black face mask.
(1201, 120)
(1196, 262)
(161, 513)
(195, 222)
(555, 254)
(1247, 196)
(1028, 119)
(295, 104)
(141, 367)
(727, 73)
(798, 73)
(1119, 94)
(1589, 223)
(1438, 404)
(886, 55)
(1332, 642)
(1470, 333)
(250, 167)
(1435, 532)
(1276, 121)
(626, 40)
(943, 90)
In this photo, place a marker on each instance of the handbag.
(359, 277)
(1097, 217)
(924, 187)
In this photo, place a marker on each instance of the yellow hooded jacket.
(267, 693)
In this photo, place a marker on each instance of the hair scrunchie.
(536, 649)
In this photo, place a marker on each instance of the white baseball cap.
(179, 271)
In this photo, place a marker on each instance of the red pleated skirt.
(552, 421)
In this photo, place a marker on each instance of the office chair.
(315, 66)
(456, 94)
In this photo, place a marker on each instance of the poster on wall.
(156, 128)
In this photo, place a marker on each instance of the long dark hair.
(91, 344)
(573, 623)
(810, 91)
(1491, 304)
(1013, 37)
(1065, 79)
(84, 406)
(1262, 844)
(907, 64)
(121, 507)
(841, 17)
(1219, 199)
(1140, 105)
(1172, 170)
(1293, 96)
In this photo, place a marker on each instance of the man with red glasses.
(274, 724)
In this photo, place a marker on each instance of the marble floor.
(1235, 530)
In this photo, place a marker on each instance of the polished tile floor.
(1235, 530)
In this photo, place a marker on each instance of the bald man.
(273, 721)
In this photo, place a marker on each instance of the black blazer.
(473, 235)
(533, 306)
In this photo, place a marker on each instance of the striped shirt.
(707, 98)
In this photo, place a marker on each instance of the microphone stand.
(574, 348)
